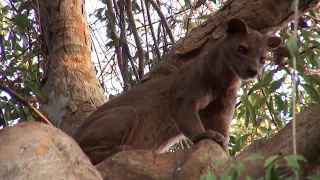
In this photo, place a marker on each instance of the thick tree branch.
(142, 164)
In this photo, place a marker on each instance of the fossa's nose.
(251, 72)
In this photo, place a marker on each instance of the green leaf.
(239, 167)
(270, 160)
(268, 78)
(275, 85)
(26, 5)
(208, 176)
(253, 157)
(279, 102)
(261, 102)
(186, 2)
(258, 121)
(199, 3)
(111, 96)
(244, 99)
(22, 21)
(243, 139)
(256, 86)
(232, 139)
(292, 162)
(271, 174)
(110, 44)
(293, 45)
(313, 60)
(252, 115)
(315, 78)
(313, 93)
(246, 121)
(34, 88)
(136, 7)
(104, 1)
(217, 162)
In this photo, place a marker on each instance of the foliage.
(235, 169)
(19, 59)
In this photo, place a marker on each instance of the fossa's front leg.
(189, 123)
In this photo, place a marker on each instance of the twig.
(136, 37)
(315, 19)
(24, 102)
(272, 118)
(163, 19)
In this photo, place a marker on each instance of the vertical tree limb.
(111, 26)
(156, 47)
(136, 37)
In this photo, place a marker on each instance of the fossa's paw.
(217, 137)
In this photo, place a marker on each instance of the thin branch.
(163, 19)
(111, 26)
(126, 85)
(136, 37)
(315, 19)
(157, 50)
(24, 102)
(165, 41)
(268, 106)
(126, 48)
(145, 29)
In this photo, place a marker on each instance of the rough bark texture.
(72, 89)
(196, 161)
(265, 16)
(39, 151)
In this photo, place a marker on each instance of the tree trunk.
(71, 88)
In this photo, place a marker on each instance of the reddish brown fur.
(197, 101)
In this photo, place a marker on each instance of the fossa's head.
(244, 50)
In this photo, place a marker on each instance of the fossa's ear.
(274, 41)
(236, 25)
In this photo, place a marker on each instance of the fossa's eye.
(242, 49)
(262, 60)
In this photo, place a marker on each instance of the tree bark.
(37, 151)
(72, 89)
